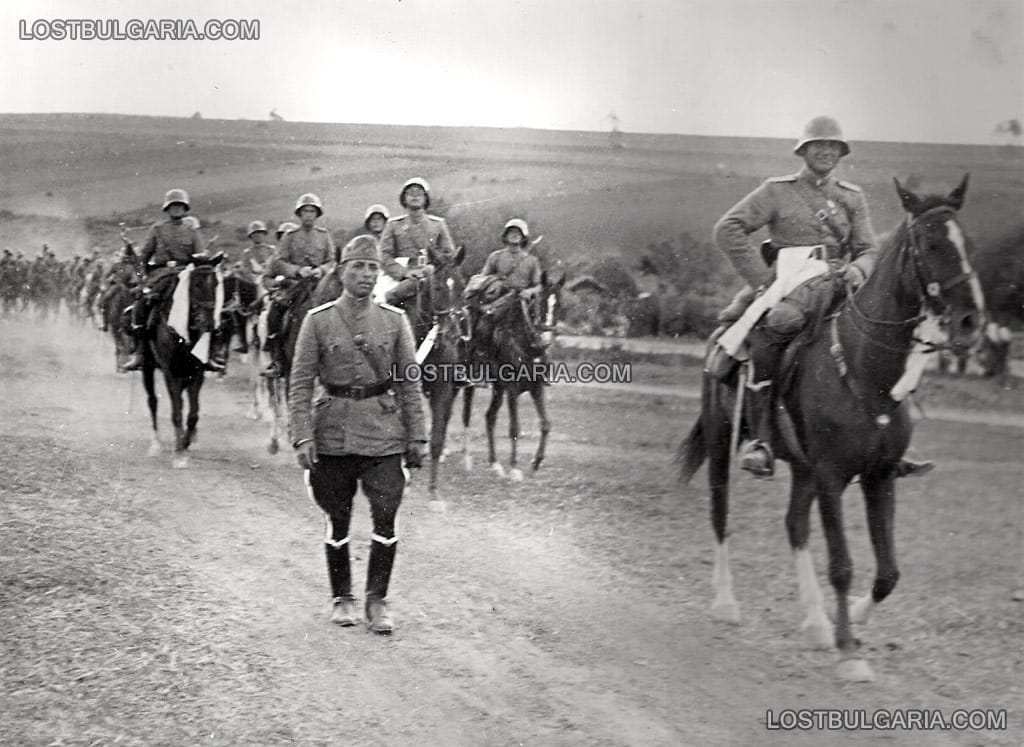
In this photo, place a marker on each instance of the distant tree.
(1000, 268)
(275, 116)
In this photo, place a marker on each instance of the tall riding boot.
(140, 311)
(382, 559)
(756, 456)
(339, 573)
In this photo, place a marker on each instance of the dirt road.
(145, 605)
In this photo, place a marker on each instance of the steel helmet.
(176, 195)
(361, 247)
(417, 181)
(191, 221)
(375, 209)
(821, 129)
(256, 226)
(523, 228)
(309, 199)
(285, 228)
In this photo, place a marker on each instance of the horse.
(243, 303)
(837, 419)
(506, 362)
(441, 330)
(116, 321)
(183, 372)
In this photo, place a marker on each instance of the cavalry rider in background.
(304, 255)
(329, 287)
(362, 424)
(519, 271)
(413, 237)
(167, 250)
(126, 273)
(809, 211)
(252, 268)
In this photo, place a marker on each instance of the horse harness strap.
(359, 392)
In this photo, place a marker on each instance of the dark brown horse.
(183, 373)
(504, 345)
(842, 420)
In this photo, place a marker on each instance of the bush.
(1000, 267)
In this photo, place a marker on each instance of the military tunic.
(355, 342)
(256, 261)
(794, 209)
(416, 238)
(169, 241)
(517, 268)
(301, 248)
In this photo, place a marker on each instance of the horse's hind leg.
(491, 419)
(193, 410)
(514, 473)
(467, 411)
(724, 606)
(149, 384)
(816, 626)
(537, 393)
(880, 502)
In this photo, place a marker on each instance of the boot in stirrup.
(756, 456)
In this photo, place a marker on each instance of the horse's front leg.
(491, 419)
(149, 384)
(537, 393)
(880, 503)
(193, 409)
(440, 412)
(816, 626)
(514, 473)
(467, 410)
(174, 390)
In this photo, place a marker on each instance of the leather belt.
(359, 392)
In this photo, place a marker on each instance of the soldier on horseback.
(409, 240)
(125, 273)
(518, 271)
(815, 214)
(303, 256)
(167, 250)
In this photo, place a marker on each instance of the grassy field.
(587, 199)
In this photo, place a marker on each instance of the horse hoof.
(515, 474)
(535, 464)
(467, 463)
(252, 415)
(726, 610)
(819, 634)
(497, 469)
(855, 670)
(860, 609)
(154, 449)
(180, 462)
(273, 447)
(442, 457)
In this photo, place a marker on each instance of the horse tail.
(692, 452)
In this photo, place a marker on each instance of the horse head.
(936, 267)
(203, 283)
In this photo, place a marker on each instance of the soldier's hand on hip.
(305, 453)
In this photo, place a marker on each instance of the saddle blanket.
(177, 319)
(794, 267)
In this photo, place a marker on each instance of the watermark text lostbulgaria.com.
(509, 373)
(138, 29)
(896, 719)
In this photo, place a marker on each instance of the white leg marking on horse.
(497, 469)
(724, 607)
(855, 670)
(816, 626)
(467, 458)
(956, 235)
(180, 462)
(515, 474)
(154, 447)
(861, 609)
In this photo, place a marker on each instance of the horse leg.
(174, 389)
(194, 386)
(816, 627)
(880, 502)
(852, 667)
(467, 411)
(514, 473)
(491, 418)
(440, 412)
(537, 393)
(716, 426)
(275, 389)
(149, 384)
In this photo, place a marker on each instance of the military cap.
(361, 247)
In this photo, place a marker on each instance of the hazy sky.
(923, 70)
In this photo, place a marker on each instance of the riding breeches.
(333, 481)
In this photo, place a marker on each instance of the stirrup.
(757, 459)
(908, 468)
